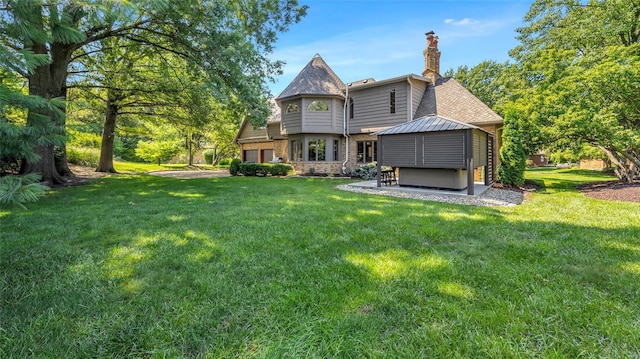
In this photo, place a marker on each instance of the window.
(317, 149)
(392, 101)
(318, 105)
(367, 151)
(350, 108)
(336, 149)
(292, 107)
(296, 150)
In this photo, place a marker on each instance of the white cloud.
(463, 22)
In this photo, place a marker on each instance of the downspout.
(344, 132)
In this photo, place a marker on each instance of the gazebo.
(437, 152)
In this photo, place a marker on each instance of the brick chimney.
(431, 58)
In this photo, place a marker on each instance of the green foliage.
(17, 190)
(252, 169)
(512, 155)
(225, 161)
(263, 169)
(84, 139)
(157, 151)
(366, 171)
(18, 141)
(234, 167)
(580, 68)
(83, 156)
(208, 156)
(491, 82)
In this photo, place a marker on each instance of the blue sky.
(383, 38)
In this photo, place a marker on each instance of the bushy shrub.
(157, 151)
(234, 167)
(83, 156)
(208, 156)
(252, 169)
(367, 171)
(512, 155)
(17, 190)
(263, 169)
(279, 169)
(224, 162)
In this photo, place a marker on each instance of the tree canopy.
(227, 41)
(580, 63)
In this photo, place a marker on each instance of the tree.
(489, 81)
(228, 40)
(581, 68)
(512, 155)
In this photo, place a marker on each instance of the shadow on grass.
(240, 267)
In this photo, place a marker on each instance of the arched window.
(292, 107)
(318, 105)
(351, 108)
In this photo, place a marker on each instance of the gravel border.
(491, 198)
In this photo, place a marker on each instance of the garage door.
(250, 156)
(267, 155)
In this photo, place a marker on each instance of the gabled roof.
(432, 123)
(259, 134)
(450, 99)
(317, 78)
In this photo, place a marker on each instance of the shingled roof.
(317, 78)
(433, 123)
(450, 99)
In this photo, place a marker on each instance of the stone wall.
(300, 167)
(281, 149)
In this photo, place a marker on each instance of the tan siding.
(291, 122)
(248, 132)
(417, 90)
(317, 121)
(274, 130)
(338, 115)
(371, 107)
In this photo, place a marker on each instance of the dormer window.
(292, 107)
(318, 105)
(392, 101)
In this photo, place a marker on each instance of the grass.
(140, 167)
(140, 266)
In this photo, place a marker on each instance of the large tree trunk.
(108, 135)
(625, 167)
(41, 83)
(49, 82)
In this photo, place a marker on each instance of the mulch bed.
(527, 186)
(612, 190)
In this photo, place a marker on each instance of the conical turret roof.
(317, 78)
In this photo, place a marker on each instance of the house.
(324, 125)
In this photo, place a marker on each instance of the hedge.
(264, 169)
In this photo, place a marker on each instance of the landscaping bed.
(612, 190)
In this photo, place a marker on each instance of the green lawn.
(124, 166)
(141, 266)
